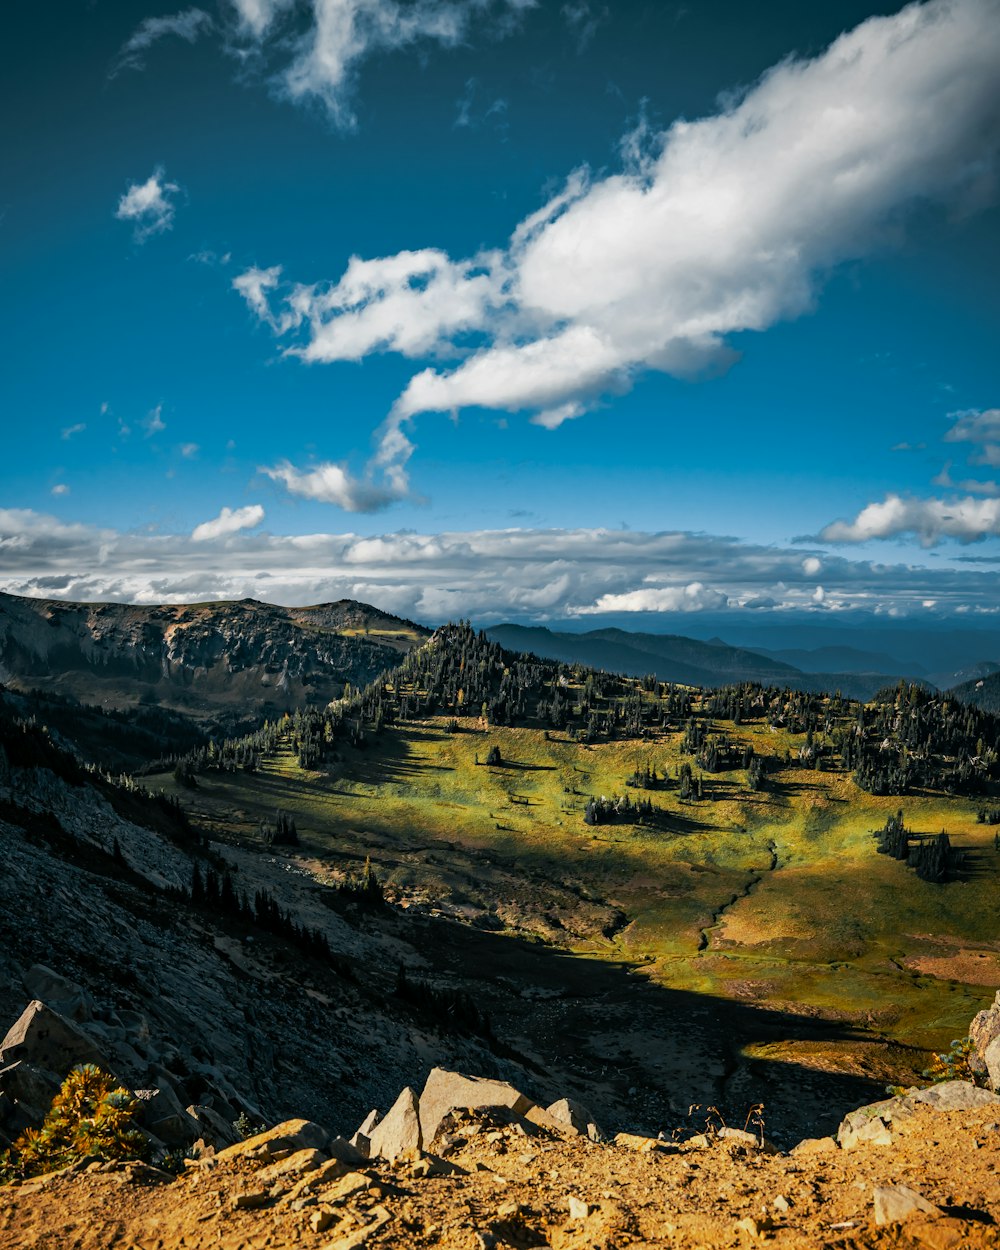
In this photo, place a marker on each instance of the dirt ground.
(512, 1186)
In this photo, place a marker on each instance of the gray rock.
(48, 1040)
(984, 1030)
(450, 1091)
(871, 1124)
(576, 1115)
(59, 993)
(400, 1131)
(212, 1127)
(29, 1090)
(361, 1138)
(896, 1203)
(992, 1061)
(955, 1096)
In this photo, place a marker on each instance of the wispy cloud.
(153, 422)
(148, 205)
(489, 574)
(70, 430)
(229, 521)
(981, 427)
(60, 488)
(713, 227)
(187, 25)
(342, 34)
(584, 20)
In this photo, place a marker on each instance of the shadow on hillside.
(640, 1054)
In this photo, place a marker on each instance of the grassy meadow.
(774, 898)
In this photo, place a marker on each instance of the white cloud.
(342, 34)
(189, 450)
(490, 574)
(811, 565)
(153, 422)
(931, 520)
(694, 597)
(333, 483)
(187, 25)
(584, 20)
(229, 521)
(70, 430)
(729, 225)
(60, 488)
(148, 205)
(982, 428)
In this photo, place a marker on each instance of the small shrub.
(246, 1127)
(90, 1117)
(954, 1064)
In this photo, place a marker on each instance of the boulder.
(30, 1087)
(289, 1136)
(215, 1129)
(450, 1091)
(992, 1061)
(48, 1040)
(896, 1203)
(744, 1138)
(954, 1096)
(871, 1124)
(984, 1030)
(59, 993)
(576, 1115)
(400, 1131)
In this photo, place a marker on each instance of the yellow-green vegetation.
(91, 1117)
(745, 867)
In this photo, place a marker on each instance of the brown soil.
(500, 1188)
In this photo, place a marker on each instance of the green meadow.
(775, 898)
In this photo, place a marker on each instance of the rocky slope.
(504, 1172)
(198, 658)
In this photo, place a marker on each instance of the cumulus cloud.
(148, 205)
(334, 484)
(187, 25)
(716, 226)
(965, 519)
(339, 35)
(694, 597)
(229, 521)
(533, 574)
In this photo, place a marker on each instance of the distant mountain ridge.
(685, 661)
(198, 658)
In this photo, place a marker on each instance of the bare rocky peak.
(198, 657)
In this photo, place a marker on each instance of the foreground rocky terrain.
(506, 1173)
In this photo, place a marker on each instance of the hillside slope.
(981, 692)
(198, 658)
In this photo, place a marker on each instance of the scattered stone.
(577, 1116)
(992, 1061)
(781, 1204)
(449, 1091)
(358, 1238)
(213, 1128)
(896, 1203)
(698, 1142)
(636, 1141)
(874, 1132)
(400, 1131)
(433, 1165)
(300, 1161)
(814, 1146)
(252, 1200)
(750, 1140)
(578, 1209)
(320, 1221)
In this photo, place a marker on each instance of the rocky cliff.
(198, 658)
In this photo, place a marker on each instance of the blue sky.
(701, 306)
